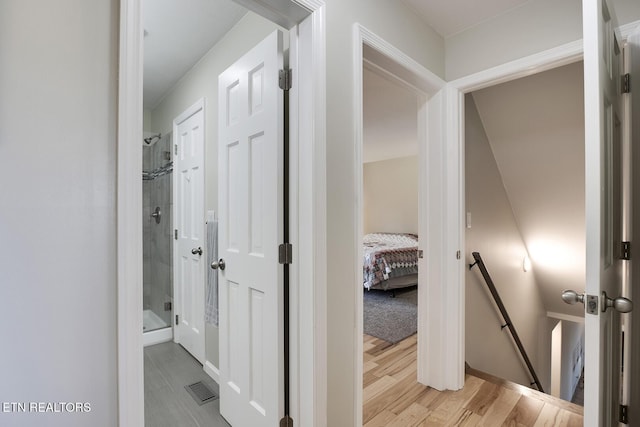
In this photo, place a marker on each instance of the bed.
(390, 260)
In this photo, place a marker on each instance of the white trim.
(211, 370)
(311, 268)
(193, 109)
(533, 64)
(628, 29)
(129, 218)
(440, 363)
(157, 337)
(308, 389)
(568, 317)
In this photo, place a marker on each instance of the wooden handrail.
(505, 316)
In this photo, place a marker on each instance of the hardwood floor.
(392, 396)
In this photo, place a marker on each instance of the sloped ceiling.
(177, 35)
(535, 126)
(390, 118)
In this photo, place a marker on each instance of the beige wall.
(391, 196)
(531, 28)
(495, 235)
(202, 82)
(58, 110)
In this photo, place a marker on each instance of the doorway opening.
(390, 237)
(525, 216)
(187, 46)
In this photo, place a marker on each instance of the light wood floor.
(392, 396)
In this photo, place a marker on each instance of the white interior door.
(603, 133)
(188, 131)
(632, 322)
(251, 122)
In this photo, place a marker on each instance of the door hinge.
(285, 253)
(175, 234)
(167, 306)
(626, 83)
(284, 79)
(176, 320)
(626, 251)
(175, 149)
(624, 417)
(287, 421)
(420, 253)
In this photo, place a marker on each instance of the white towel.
(211, 305)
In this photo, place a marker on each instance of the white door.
(632, 322)
(251, 123)
(189, 264)
(603, 133)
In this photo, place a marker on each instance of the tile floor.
(168, 368)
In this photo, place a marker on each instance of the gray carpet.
(391, 319)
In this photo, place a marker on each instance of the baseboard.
(158, 336)
(212, 371)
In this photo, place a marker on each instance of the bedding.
(390, 260)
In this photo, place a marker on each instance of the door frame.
(308, 210)
(198, 106)
(436, 352)
(546, 60)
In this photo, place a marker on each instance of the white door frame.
(308, 213)
(437, 355)
(556, 57)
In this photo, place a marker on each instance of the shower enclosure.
(157, 210)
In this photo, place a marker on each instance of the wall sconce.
(526, 263)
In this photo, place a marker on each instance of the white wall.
(202, 81)
(58, 107)
(401, 27)
(391, 196)
(572, 357)
(533, 27)
(495, 235)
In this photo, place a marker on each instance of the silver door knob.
(197, 251)
(572, 297)
(157, 214)
(218, 264)
(623, 305)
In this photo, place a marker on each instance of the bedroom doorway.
(432, 353)
(390, 196)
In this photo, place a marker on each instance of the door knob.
(197, 251)
(572, 297)
(156, 214)
(218, 264)
(623, 305)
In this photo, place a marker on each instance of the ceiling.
(177, 35)
(390, 118)
(453, 16)
(535, 126)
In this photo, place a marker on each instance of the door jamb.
(308, 167)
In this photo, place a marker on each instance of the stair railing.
(505, 316)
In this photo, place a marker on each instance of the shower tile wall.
(158, 242)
